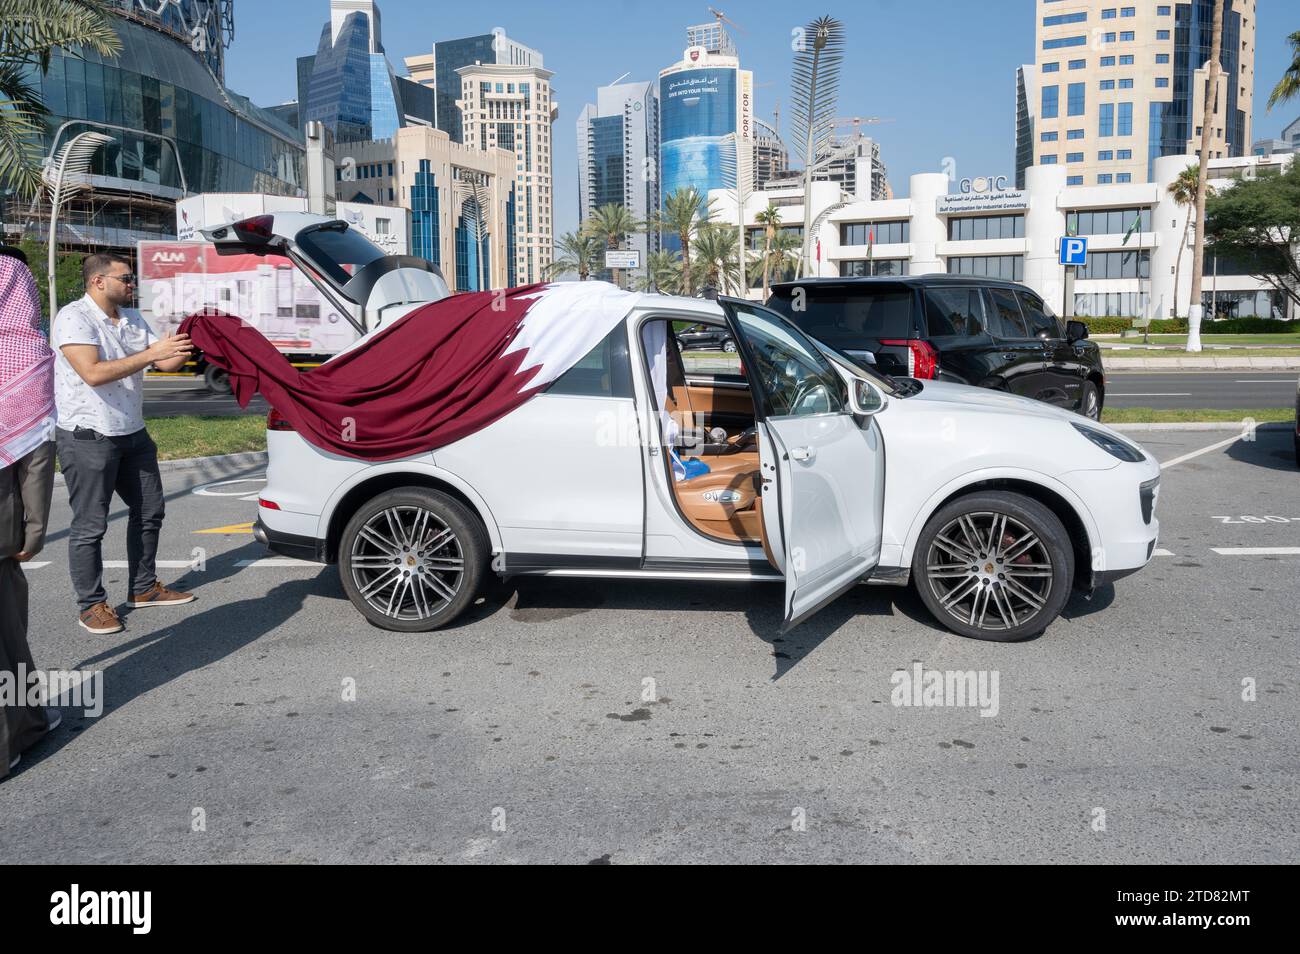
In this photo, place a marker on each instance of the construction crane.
(723, 18)
(857, 122)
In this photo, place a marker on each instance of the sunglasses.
(127, 279)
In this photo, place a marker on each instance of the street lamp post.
(64, 176)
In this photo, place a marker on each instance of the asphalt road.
(168, 396)
(231, 733)
(1197, 389)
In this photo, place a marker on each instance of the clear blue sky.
(943, 70)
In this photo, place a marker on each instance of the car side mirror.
(1075, 330)
(865, 400)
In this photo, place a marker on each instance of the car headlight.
(1111, 445)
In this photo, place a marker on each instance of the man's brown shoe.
(100, 620)
(159, 595)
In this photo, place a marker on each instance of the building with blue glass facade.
(618, 150)
(462, 200)
(176, 129)
(349, 85)
(702, 99)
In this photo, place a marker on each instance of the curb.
(209, 468)
(1201, 426)
(1200, 364)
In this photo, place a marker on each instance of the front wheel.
(412, 559)
(994, 565)
(729, 346)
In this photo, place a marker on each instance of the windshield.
(337, 250)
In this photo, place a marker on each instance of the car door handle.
(1010, 355)
(803, 453)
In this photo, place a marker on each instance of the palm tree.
(780, 259)
(29, 32)
(1183, 191)
(814, 92)
(575, 252)
(610, 225)
(1194, 306)
(1288, 87)
(663, 274)
(770, 219)
(715, 263)
(681, 216)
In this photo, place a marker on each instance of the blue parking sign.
(1074, 250)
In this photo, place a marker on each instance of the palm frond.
(30, 29)
(20, 168)
(1288, 87)
(815, 83)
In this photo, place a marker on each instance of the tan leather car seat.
(722, 503)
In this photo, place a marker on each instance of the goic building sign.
(982, 194)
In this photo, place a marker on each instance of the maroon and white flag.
(436, 375)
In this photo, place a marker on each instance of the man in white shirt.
(103, 349)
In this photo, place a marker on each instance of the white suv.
(799, 467)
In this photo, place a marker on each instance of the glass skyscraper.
(175, 127)
(702, 99)
(349, 85)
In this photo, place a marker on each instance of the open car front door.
(822, 467)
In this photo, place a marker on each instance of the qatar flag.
(436, 375)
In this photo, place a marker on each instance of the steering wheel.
(746, 437)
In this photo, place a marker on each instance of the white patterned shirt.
(116, 408)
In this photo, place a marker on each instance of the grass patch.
(204, 436)
(1150, 415)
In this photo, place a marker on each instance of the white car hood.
(983, 400)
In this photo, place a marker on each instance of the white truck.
(178, 279)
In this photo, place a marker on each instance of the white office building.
(985, 226)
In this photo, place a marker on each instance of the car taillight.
(258, 227)
(267, 504)
(922, 359)
(275, 421)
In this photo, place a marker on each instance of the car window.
(1005, 319)
(604, 371)
(795, 377)
(954, 312)
(842, 318)
(337, 250)
(1041, 322)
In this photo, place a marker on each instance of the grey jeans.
(96, 466)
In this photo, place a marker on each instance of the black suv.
(960, 328)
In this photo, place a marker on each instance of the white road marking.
(1264, 381)
(1151, 394)
(165, 564)
(1204, 450)
(1256, 551)
(1160, 551)
(271, 561)
(35, 564)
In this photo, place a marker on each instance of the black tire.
(1045, 569)
(216, 379)
(729, 346)
(404, 600)
(1090, 401)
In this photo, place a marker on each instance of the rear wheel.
(729, 346)
(1090, 401)
(994, 565)
(412, 559)
(216, 379)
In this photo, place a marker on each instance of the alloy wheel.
(406, 563)
(989, 570)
